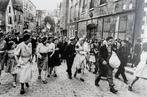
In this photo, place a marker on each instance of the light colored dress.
(25, 52)
(80, 58)
(141, 69)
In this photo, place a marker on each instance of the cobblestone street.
(63, 87)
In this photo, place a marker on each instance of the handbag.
(114, 61)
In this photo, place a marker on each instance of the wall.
(18, 20)
(111, 18)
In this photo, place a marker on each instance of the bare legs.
(133, 82)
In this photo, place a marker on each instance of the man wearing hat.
(69, 56)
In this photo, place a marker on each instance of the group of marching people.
(17, 55)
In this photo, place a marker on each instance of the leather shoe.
(113, 90)
(130, 88)
(22, 91)
(97, 85)
(81, 79)
(27, 85)
(44, 82)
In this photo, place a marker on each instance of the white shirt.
(41, 48)
(86, 47)
(51, 47)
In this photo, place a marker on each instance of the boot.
(81, 79)
(113, 90)
(22, 91)
(27, 85)
(130, 88)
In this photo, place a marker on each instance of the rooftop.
(17, 4)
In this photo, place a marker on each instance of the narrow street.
(63, 87)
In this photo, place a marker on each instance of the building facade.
(6, 15)
(64, 5)
(18, 16)
(141, 20)
(29, 10)
(102, 18)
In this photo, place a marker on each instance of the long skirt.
(25, 73)
(79, 61)
(141, 70)
(43, 62)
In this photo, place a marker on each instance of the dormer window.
(9, 9)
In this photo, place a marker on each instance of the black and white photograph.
(73, 48)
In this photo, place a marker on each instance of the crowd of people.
(18, 52)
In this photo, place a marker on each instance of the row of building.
(17, 15)
(124, 19)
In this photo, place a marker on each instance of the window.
(71, 14)
(76, 10)
(91, 4)
(0, 22)
(15, 18)
(107, 24)
(10, 20)
(9, 9)
(123, 24)
(103, 2)
(19, 18)
(83, 8)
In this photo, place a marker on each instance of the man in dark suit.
(105, 69)
(69, 54)
(123, 56)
